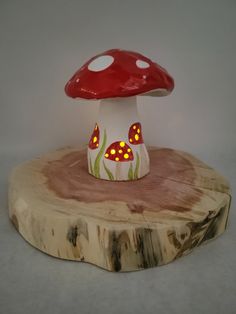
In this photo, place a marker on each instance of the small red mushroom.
(135, 134)
(94, 139)
(119, 151)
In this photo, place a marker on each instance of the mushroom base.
(63, 211)
(116, 149)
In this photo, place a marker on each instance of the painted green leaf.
(137, 166)
(130, 172)
(96, 167)
(109, 173)
(90, 165)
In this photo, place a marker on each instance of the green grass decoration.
(90, 165)
(109, 173)
(137, 166)
(96, 168)
(130, 172)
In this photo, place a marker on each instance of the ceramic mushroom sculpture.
(116, 149)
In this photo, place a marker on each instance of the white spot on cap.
(142, 64)
(77, 80)
(100, 63)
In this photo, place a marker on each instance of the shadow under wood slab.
(120, 226)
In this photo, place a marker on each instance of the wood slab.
(120, 226)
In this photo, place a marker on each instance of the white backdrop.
(44, 42)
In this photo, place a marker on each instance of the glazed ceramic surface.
(119, 73)
(116, 150)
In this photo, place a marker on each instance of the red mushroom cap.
(119, 73)
(135, 134)
(119, 151)
(95, 137)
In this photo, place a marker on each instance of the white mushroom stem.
(144, 160)
(115, 117)
(118, 171)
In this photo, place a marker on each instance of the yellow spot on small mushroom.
(122, 144)
(120, 151)
(136, 137)
(95, 139)
(134, 127)
(129, 150)
(138, 130)
(97, 144)
(126, 156)
(112, 151)
(117, 159)
(106, 155)
(130, 140)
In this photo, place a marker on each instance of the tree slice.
(58, 207)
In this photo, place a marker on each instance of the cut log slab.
(120, 226)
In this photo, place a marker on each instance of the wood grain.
(120, 226)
